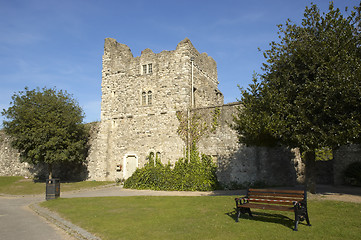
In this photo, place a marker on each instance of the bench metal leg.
(248, 210)
(307, 219)
(238, 214)
(243, 211)
(297, 219)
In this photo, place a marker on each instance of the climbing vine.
(215, 123)
(193, 126)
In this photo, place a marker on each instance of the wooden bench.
(278, 200)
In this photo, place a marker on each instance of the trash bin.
(52, 188)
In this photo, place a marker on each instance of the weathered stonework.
(141, 96)
(140, 99)
(240, 164)
(9, 159)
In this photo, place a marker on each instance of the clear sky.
(47, 43)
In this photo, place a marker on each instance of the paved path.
(18, 221)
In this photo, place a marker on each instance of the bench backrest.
(274, 196)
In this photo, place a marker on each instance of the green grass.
(203, 218)
(22, 186)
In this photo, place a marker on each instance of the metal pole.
(188, 136)
(192, 90)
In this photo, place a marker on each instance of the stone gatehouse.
(140, 99)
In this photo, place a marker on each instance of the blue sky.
(46, 43)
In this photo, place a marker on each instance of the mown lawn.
(203, 218)
(22, 186)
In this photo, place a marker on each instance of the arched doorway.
(130, 165)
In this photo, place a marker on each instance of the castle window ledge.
(163, 113)
(129, 116)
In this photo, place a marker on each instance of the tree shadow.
(340, 190)
(66, 171)
(265, 217)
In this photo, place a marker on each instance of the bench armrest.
(241, 200)
(300, 204)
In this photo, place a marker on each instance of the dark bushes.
(199, 174)
(352, 174)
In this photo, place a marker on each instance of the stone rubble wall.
(10, 164)
(239, 164)
(342, 158)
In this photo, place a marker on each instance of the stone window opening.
(157, 156)
(150, 98)
(144, 69)
(147, 68)
(151, 158)
(147, 98)
(144, 98)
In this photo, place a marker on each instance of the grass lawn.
(22, 186)
(203, 218)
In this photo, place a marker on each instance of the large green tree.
(46, 127)
(309, 95)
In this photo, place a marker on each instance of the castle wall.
(10, 164)
(342, 158)
(239, 164)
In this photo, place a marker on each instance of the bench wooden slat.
(267, 207)
(301, 192)
(275, 195)
(279, 202)
(276, 198)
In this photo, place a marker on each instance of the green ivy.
(215, 123)
(196, 174)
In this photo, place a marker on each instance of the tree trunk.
(50, 170)
(310, 165)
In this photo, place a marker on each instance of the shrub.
(198, 174)
(352, 174)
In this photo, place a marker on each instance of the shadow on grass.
(343, 189)
(265, 217)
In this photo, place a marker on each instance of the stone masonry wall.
(343, 157)
(239, 164)
(140, 98)
(10, 164)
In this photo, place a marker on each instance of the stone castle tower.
(140, 98)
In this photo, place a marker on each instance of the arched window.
(157, 156)
(149, 97)
(151, 158)
(144, 98)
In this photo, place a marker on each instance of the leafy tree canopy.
(310, 93)
(46, 127)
